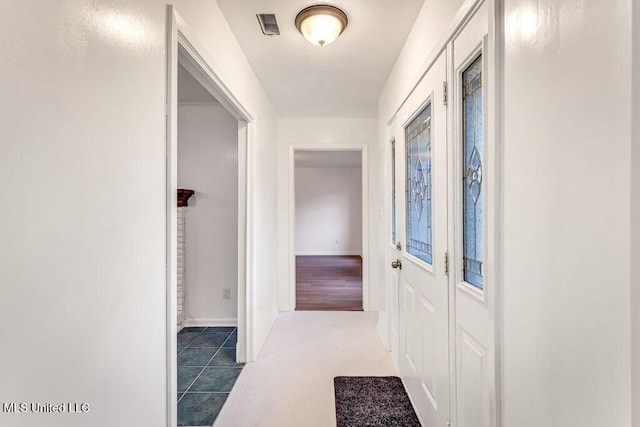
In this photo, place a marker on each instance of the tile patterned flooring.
(207, 371)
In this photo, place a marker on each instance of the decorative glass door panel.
(472, 174)
(418, 186)
(422, 228)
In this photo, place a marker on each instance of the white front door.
(472, 217)
(422, 205)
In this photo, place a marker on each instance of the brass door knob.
(396, 264)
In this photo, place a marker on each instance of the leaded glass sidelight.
(418, 186)
(472, 174)
(394, 239)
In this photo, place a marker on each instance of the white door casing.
(328, 147)
(392, 297)
(423, 294)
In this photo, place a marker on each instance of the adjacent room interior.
(328, 230)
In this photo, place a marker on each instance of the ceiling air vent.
(268, 24)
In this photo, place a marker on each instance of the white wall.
(221, 50)
(82, 259)
(82, 300)
(566, 213)
(328, 210)
(208, 164)
(331, 132)
(433, 21)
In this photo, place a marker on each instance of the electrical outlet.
(226, 293)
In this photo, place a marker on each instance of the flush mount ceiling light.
(321, 24)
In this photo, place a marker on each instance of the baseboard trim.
(210, 322)
(329, 254)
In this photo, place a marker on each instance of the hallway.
(291, 381)
(498, 199)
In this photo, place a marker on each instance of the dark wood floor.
(329, 283)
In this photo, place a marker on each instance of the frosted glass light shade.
(321, 24)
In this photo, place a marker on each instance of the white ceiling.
(189, 90)
(344, 78)
(327, 159)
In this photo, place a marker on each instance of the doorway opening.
(209, 332)
(207, 271)
(329, 244)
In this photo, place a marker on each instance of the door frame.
(387, 310)
(362, 148)
(184, 48)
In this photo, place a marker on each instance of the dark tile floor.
(207, 371)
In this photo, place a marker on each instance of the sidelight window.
(394, 238)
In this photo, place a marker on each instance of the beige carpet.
(291, 383)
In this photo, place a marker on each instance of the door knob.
(396, 264)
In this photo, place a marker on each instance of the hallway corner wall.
(330, 131)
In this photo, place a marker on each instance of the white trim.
(171, 214)
(183, 47)
(245, 246)
(416, 112)
(193, 61)
(423, 265)
(210, 322)
(451, 186)
(291, 241)
(495, 252)
(362, 147)
(247, 308)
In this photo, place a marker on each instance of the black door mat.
(373, 401)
